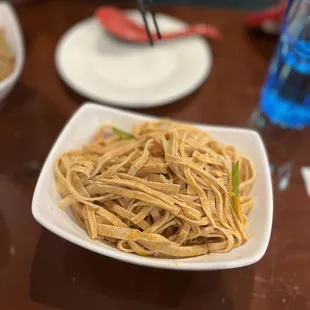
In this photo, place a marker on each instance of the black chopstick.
(151, 9)
(146, 25)
(147, 6)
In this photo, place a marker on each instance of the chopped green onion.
(122, 134)
(235, 178)
(235, 191)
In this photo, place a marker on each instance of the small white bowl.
(9, 22)
(78, 131)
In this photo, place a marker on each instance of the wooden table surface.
(39, 270)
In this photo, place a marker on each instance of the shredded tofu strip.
(165, 190)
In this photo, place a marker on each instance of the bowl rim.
(153, 262)
(19, 42)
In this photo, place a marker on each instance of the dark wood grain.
(39, 270)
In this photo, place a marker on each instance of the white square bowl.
(80, 129)
(9, 22)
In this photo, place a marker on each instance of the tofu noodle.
(164, 190)
(7, 59)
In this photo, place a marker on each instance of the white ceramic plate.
(104, 69)
(81, 128)
(10, 24)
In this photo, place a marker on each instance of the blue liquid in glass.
(285, 98)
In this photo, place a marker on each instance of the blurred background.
(57, 54)
(235, 4)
